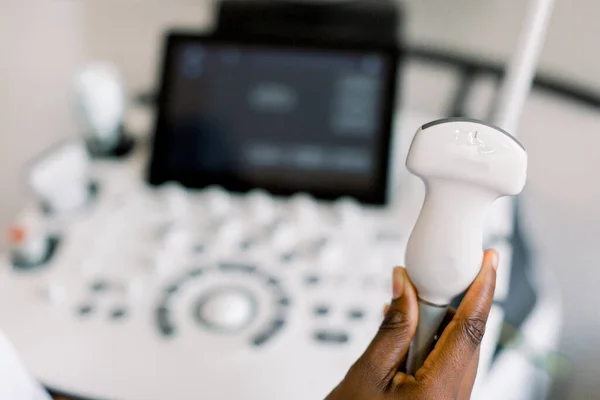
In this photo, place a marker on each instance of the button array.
(291, 233)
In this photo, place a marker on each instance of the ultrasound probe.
(466, 165)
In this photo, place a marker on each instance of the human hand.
(448, 372)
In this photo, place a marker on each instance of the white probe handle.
(465, 165)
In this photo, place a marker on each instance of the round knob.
(175, 238)
(226, 310)
(174, 199)
(229, 232)
(349, 212)
(305, 213)
(303, 204)
(284, 237)
(261, 206)
(218, 201)
(331, 255)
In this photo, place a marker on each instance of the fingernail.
(398, 282)
(494, 259)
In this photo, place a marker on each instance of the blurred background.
(44, 43)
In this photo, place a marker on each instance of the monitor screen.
(302, 118)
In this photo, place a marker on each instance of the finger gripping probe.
(466, 165)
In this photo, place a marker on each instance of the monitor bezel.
(158, 172)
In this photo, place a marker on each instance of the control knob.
(226, 310)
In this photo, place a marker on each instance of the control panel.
(144, 292)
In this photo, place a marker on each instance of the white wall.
(130, 33)
(40, 42)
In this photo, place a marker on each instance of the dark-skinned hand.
(448, 372)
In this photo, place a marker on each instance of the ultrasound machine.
(244, 249)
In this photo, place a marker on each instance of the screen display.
(282, 118)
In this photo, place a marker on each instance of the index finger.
(452, 354)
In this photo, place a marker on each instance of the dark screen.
(247, 116)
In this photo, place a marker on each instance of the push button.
(331, 337)
(226, 309)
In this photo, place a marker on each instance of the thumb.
(388, 350)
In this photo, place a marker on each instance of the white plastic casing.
(60, 179)
(466, 165)
(100, 103)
